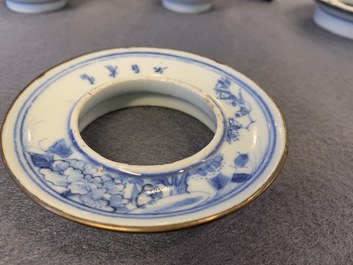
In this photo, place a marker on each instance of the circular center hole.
(147, 126)
(147, 135)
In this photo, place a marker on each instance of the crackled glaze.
(44, 150)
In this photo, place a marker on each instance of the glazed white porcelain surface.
(335, 16)
(35, 6)
(47, 157)
(188, 6)
(348, 2)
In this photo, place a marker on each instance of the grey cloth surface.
(306, 217)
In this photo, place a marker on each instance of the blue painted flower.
(118, 201)
(96, 193)
(54, 177)
(73, 175)
(87, 184)
(76, 164)
(92, 170)
(60, 166)
(80, 187)
(94, 202)
(106, 177)
(113, 188)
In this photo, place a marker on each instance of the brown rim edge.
(148, 229)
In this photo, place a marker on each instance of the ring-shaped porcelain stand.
(43, 149)
(187, 7)
(35, 7)
(335, 16)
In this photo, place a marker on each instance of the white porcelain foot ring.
(43, 149)
(335, 16)
(333, 23)
(35, 7)
(186, 8)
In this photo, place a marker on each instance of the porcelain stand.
(333, 23)
(35, 8)
(181, 7)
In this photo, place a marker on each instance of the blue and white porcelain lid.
(47, 157)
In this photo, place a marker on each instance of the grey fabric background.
(306, 217)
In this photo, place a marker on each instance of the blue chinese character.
(113, 70)
(90, 79)
(135, 68)
(160, 70)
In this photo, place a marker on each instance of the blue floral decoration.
(224, 93)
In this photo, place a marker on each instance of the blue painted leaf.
(134, 193)
(42, 161)
(181, 185)
(60, 148)
(242, 112)
(241, 160)
(201, 172)
(211, 166)
(165, 181)
(219, 181)
(218, 160)
(241, 177)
